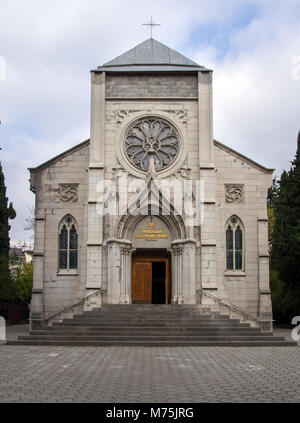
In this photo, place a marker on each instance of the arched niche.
(151, 232)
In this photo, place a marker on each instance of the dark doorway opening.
(151, 276)
(159, 282)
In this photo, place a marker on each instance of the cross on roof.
(152, 25)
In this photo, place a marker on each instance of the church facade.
(151, 209)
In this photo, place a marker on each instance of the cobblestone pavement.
(140, 374)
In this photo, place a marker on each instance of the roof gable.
(150, 53)
(242, 157)
(59, 156)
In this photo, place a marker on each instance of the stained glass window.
(152, 137)
(68, 244)
(229, 248)
(238, 248)
(234, 245)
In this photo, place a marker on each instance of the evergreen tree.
(285, 255)
(6, 212)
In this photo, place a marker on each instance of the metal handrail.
(69, 307)
(231, 306)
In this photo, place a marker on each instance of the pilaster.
(37, 303)
(95, 175)
(265, 305)
(177, 283)
(119, 271)
(205, 118)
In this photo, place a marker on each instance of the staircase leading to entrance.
(150, 325)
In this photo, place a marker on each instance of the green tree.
(285, 254)
(23, 283)
(6, 212)
(273, 192)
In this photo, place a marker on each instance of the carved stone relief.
(119, 172)
(184, 172)
(121, 114)
(234, 193)
(180, 114)
(68, 193)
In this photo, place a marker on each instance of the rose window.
(151, 137)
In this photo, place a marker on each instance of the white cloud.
(50, 46)
(256, 99)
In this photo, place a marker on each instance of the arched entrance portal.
(151, 240)
(151, 281)
(151, 259)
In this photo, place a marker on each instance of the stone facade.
(232, 185)
(154, 85)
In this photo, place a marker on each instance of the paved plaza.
(151, 375)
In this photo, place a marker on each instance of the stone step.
(142, 331)
(183, 323)
(175, 331)
(149, 338)
(144, 310)
(150, 325)
(269, 343)
(152, 321)
(145, 315)
(152, 329)
(98, 312)
(143, 307)
(147, 318)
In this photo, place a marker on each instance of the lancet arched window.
(234, 244)
(68, 244)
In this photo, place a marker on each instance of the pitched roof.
(59, 156)
(151, 55)
(242, 157)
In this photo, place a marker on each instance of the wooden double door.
(151, 280)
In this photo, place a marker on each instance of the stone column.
(125, 294)
(188, 272)
(177, 285)
(184, 286)
(118, 271)
(265, 305)
(95, 175)
(207, 175)
(205, 119)
(37, 302)
(97, 118)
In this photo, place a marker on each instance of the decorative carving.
(121, 225)
(121, 114)
(126, 251)
(184, 172)
(177, 251)
(181, 114)
(119, 172)
(68, 193)
(234, 193)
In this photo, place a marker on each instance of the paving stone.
(141, 374)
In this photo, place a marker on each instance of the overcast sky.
(49, 47)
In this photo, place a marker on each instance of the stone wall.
(61, 188)
(249, 203)
(151, 86)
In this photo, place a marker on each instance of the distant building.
(20, 254)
